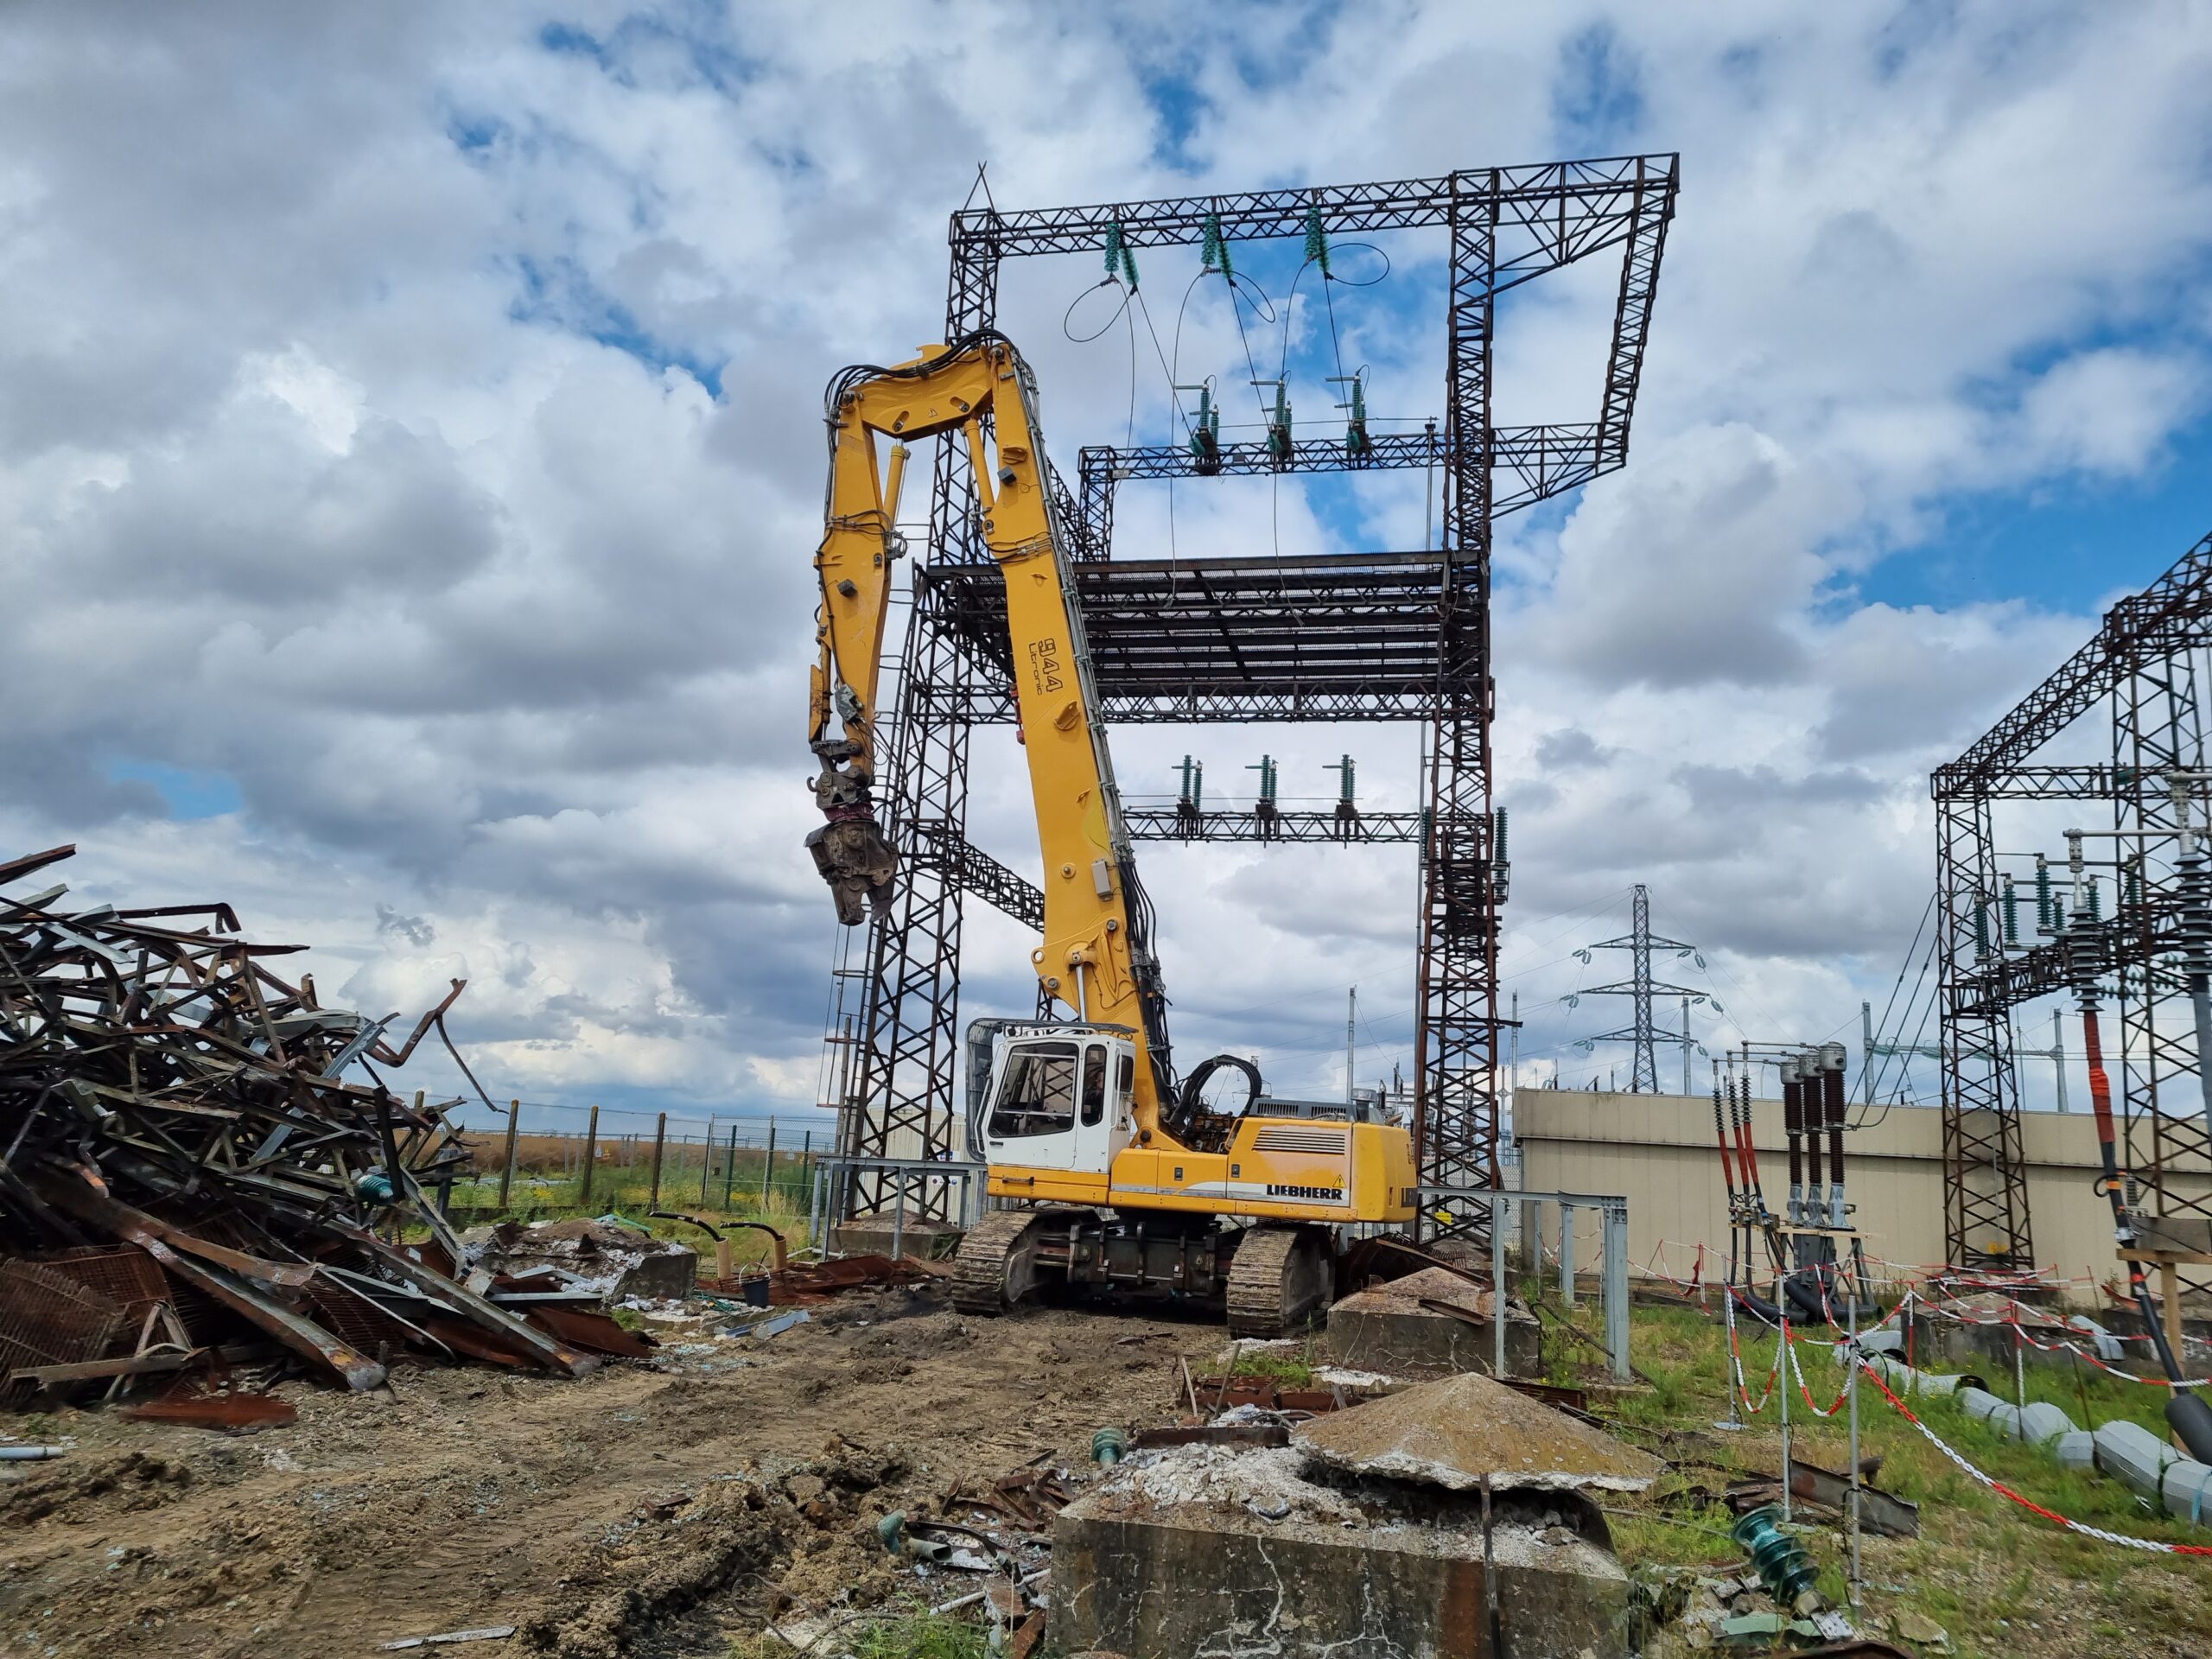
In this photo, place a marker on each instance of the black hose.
(1192, 1101)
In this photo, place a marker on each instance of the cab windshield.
(1037, 1094)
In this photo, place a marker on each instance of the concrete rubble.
(1387, 1327)
(1366, 1534)
(1455, 1432)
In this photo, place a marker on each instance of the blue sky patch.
(188, 795)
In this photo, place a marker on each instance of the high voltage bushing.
(1779, 1560)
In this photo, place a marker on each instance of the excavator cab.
(1055, 1107)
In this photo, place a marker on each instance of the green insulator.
(2096, 901)
(2134, 889)
(1317, 239)
(1215, 255)
(1500, 854)
(1129, 267)
(2046, 912)
(1980, 928)
(2011, 903)
(1113, 247)
(1779, 1560)
(1108, 1446)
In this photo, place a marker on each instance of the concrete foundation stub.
(1385, 1328)
(926, 1241)
(1215, 1551)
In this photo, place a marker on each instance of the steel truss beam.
(1353, 829)
(2141, 664)
(1360, 640)
(1544, 462)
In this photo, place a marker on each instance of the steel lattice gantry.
(2141, 665)
(1380, 636)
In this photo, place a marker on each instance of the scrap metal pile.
(201, 1168)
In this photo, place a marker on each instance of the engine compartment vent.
(1278, 1137)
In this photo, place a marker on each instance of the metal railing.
(1529, 1208)
(937, 1186)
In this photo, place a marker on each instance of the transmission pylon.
(1640, 942)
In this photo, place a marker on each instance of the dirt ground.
(655, 1509)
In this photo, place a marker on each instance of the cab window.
(1094, 1084)
(1125, 1088)
(1037, 1095)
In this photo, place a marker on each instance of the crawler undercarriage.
(1271, 1279)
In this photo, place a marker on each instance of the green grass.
(1981, 1560)
(917, 1635)
(1294, 1371)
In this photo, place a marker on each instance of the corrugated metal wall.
(1658, 1150)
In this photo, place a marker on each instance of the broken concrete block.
(2043, 1422)
(2132, 1454)
(2186, 1485)
(2005, 1419)
(1385, 1328)
(1978, 1403)
(2076, 1449)
(1458, 1431)
(1215, 1549)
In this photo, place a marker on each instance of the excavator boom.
(1132, 1178)
(1096, 958)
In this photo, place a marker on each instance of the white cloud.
(314, 475)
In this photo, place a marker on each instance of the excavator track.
(1279, 1279)
(982, 1283)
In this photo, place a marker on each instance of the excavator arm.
(1096, 958)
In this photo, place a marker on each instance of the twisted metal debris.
(167, 1098)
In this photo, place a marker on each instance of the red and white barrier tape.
(2152, 1545)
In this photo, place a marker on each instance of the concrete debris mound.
(1453, 1432)
(1431, 1320)
(196, 1178)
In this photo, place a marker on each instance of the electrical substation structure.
(1641, 1031)
(1360, 636)
(2155, 945)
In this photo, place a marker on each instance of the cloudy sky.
(409, 471)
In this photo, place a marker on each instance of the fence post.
(1497, 1286)
(591, 1152)
(1616, 1271)
(1566, 1255)
(706, 1160)
(507, 1169)
(660, 1146)
(768, 1163)
(729, 1167)
(899, 1221)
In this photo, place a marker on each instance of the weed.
(1293, 1371)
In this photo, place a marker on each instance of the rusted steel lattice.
(2141, 669)
(1378, 636)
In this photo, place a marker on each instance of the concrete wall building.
(1659, 1151)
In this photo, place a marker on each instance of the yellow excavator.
(1112, 1177)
